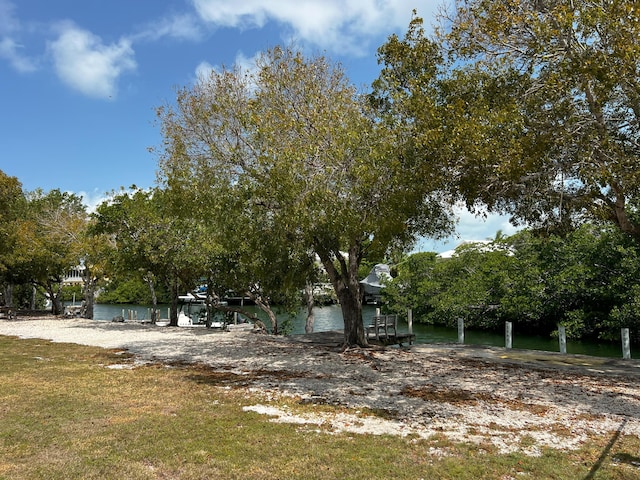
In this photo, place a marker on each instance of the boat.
(198, 298)
(378, 277)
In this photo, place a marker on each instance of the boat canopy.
(380, 274)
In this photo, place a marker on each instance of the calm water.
(330, 318)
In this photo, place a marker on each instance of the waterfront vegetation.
(585, 280)
(72, 411)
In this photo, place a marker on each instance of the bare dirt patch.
(512, 400)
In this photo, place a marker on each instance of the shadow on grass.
(606, 451)
(627, 458)
(205, 375)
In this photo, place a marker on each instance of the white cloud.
(246, 65)
(91, 200)
(9, 24)
(10, 51)
(204, 69)
(474, 227)
(181, 26)
(86, 64)
(344, 26)
(10, 48)
(470, 227)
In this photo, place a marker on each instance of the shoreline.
(467, 393)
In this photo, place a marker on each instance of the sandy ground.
(516, 400)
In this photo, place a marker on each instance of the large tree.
(49, 241)
(95, 253)
(539, 105)
(150, 241)
(300, 147)
(12, 209)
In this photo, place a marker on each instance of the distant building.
(74, 276)
(479, 245)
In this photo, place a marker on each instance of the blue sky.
(80, 80)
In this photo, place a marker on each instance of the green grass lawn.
(66, 413)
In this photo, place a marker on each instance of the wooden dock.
(398, 339)
(384, 331)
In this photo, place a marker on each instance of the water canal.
(330, 318)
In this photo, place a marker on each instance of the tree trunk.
(619, 213)
(265, 307)
(173, 317)
(347, 286)
(351, 305)
(209, 303)
(154, 298)
(54, 295)
(8, 295)
(89, 294)
(308, 296)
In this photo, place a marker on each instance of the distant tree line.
(586, 281)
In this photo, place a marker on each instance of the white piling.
(461, 330)
(410, 321)
(626, 343)
(508, 334)
(562, 338)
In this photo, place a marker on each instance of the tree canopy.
(537, 105)
(151, 242)
(12, 204)
(294, 145)
(49, 241)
